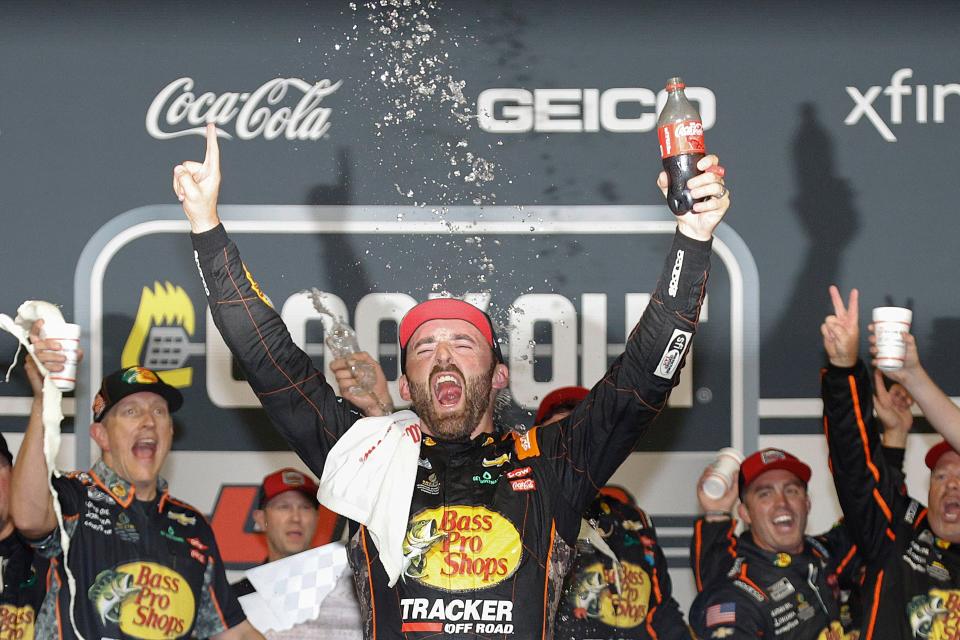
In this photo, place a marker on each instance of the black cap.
(124, 382)
(5, 450)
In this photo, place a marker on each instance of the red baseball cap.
(287, 479)
(446, 309)
(556, 399)
(936, 452)
(768, 460)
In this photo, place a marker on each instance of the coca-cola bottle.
(681, 145)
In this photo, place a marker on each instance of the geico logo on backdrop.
(863, 102)
(504, 110)
(267, 111)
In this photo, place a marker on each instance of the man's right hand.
(49, 353)
(841, 330)
(723, 504)
(372, 403)
(911, 368)
(198, 185)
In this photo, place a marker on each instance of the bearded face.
(450, 403)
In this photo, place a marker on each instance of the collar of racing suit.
(121, 491)
(812, 552)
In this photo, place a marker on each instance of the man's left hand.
(700, 223)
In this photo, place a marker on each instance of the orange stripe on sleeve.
(732, 547)
(863, 429)
(882, 504)
(650, 629)
(875, 607)
(216, 605)
(546, 581)
(846, 560)
(373, 599)
(697, 541)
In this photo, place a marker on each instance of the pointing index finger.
(212, 159)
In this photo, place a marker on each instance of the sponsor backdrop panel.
(834, 123)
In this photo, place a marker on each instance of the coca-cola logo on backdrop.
(283, 107)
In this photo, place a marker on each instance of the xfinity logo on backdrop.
(287, 107)
(581, 110)
(863, 102)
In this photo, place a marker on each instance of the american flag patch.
(725, 613)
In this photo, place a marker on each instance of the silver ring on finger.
(723, 191)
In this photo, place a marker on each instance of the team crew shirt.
(21, 589)
(604, 602)
(772, 595)
(493, 520)
(143, 569)
(912, 584)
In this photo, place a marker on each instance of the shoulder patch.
(673, 354)
(754, 593)
(723, 613)
(526, 444)
(911, 513)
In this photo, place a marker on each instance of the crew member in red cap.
(911, 551)
(619, 586)
(781, 583)
(287, 515)
(494, 516)
(143, 564)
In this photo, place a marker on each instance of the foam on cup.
(889, 325)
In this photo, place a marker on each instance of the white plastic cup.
(68, 335)
(889, 325)
(723, 473)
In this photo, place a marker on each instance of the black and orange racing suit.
(912, 583)
(493, 521)
(772, 595)
(21, 588)
(142, 569)
(717, 559)
(635, 601)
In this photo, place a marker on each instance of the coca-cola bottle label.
(677, 138)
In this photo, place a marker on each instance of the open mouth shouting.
(447, 388)
(145, 448)
(951, 509)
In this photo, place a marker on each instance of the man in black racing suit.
(494, 516)
(912, 584)
(780, 583)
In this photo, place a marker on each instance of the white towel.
(369, 477)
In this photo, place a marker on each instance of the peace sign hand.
(198, 185)
(841, 330)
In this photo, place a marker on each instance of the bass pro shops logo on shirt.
(460, 548)
(16, 623)
(145, 600)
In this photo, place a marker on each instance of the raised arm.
(713, 547)
(867, 490)
(589, 445)
(937, 407)
(31, 502)
(302, 406)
